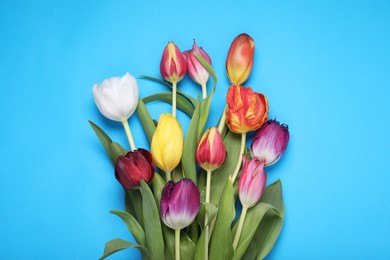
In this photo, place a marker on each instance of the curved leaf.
(206, 208)
(118, 244)
(182, 103)
(221, 240)
(113, 149)
(132, 224)
(146, 120)
(200, 247)
(190, 143)
(153, 234)
(205, 109)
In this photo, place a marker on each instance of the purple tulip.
(252, 182)
(270, 142)
(180, 203)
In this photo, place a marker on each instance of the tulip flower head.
(210, 153)
(134, 167)
(239, 61)
(117, 97)
(180, 203)
(173, 66)
(270, 142)
(196, 70)
(167, 143)
(246, 110)
(252, 182)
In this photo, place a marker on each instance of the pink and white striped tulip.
(196, 70)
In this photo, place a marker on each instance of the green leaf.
(205, 109)
(221, 241)
(166, 83)
(118, 244)
(271, 224)
(158, 185)
(153, 234)
(200, 247)
(190, 143)
(132, 224)
(206, 208)
(182, 103)
(252, 221)
(134, 198)
(113, 149)
(146, 120)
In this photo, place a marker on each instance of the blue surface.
(323, 66)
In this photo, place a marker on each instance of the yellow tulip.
(167, 143)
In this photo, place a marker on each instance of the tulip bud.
(210, 152)
(246, 110)
(117, 98)
(173, 66)
(270, 142)
(196, 70)
(240, 59)
(180, 203)
(167, 143)
(252, 182)
(134, 167)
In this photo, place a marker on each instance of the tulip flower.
(173, 68)
(246, 111)
(117, 99)
(196, 70)
(270, 142)
(167, 144)
(209, 155)
(134, 167)
(210, 152)
(250, 188)
(179, 205)
(240, 59)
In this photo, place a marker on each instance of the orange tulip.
(246, 110)
(239, 61)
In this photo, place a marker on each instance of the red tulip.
(173, 66)
(246, 110)
(210, 152)
(134, 167)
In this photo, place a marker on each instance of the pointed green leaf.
(113, 149)
(182, 103)
(190, 143)
(206, 208)
(221, 240)
(146, 120)
(118, 244)
(134, 198)
(205, 109)
(200, 247)
(153, 234)
(132, 224)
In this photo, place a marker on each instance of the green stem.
(243, 142)
(222, 123)
(204, 91)
(177, 244)
(206, 244)
(240, 225)
(129, 135)
(174, 85)
(168, 176)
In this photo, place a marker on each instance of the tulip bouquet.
(207, 198)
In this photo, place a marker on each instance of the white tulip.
(117, 97)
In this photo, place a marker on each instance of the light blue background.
(323, 66)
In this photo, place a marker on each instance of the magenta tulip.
(134, 167)
(180, 203)
(270, 142)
